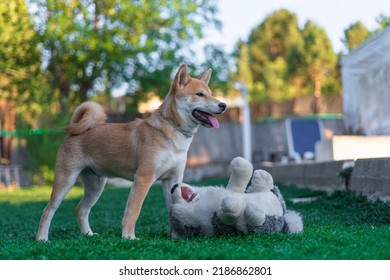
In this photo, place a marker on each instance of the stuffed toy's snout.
(184, 192)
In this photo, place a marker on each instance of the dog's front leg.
(175, 176)
(141, 186)
(167, 185)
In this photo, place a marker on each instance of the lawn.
(340, 226)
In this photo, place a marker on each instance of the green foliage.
(383, 22)
(81, 48)
(44, 176)
(96, 46)
(355, 34)
(42, 146)
(220, 62)
(275, 80)
(287, 61)
(19, 54)
(21, 81)
(271, 40)
(346, 172)
(244, 73)
(320, 58)
(340, 226)
(258, 93)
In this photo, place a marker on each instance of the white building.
(366, 86)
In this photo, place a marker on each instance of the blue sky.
(240, 16)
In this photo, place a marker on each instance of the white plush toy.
(217, 210)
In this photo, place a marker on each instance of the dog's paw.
(129, 236)
(43, 240)
(91, 233)
(88, 233)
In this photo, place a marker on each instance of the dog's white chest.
(169, 160)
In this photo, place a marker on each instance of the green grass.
(341, 226)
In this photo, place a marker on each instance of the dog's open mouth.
(205, 119)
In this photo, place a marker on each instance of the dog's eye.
(201, 94)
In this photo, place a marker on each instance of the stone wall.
(319, 176)
(371, 177)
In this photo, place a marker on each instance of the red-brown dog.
(151, 149)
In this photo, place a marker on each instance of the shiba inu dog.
(151, 149)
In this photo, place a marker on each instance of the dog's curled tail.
(86, 116)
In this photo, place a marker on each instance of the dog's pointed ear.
(206, 76)
(182, 77)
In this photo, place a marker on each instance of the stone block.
(371, 177)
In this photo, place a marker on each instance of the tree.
(276, 85)
(271, 40)
(383, 22)
(19, 54)
(355, 34)
(287, 61)
(296, 66)
(19, 66)
(320, 58)
(220, 62)
(272, 48)
(244, 74)
(92, 46)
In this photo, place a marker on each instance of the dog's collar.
(187, 134)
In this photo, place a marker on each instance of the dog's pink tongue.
(214, 122)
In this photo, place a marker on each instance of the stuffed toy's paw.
(241, 172)
(230, 211)
(262, 181)
(254, 215)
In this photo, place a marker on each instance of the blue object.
(302, 134)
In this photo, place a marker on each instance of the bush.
(44, 176)
(42, 146)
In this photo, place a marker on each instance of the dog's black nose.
(222, 106)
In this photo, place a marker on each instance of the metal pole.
(246, 123)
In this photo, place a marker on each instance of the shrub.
(42, 146)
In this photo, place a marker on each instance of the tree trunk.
(297, 84)
(7, 124)
(317, 83)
